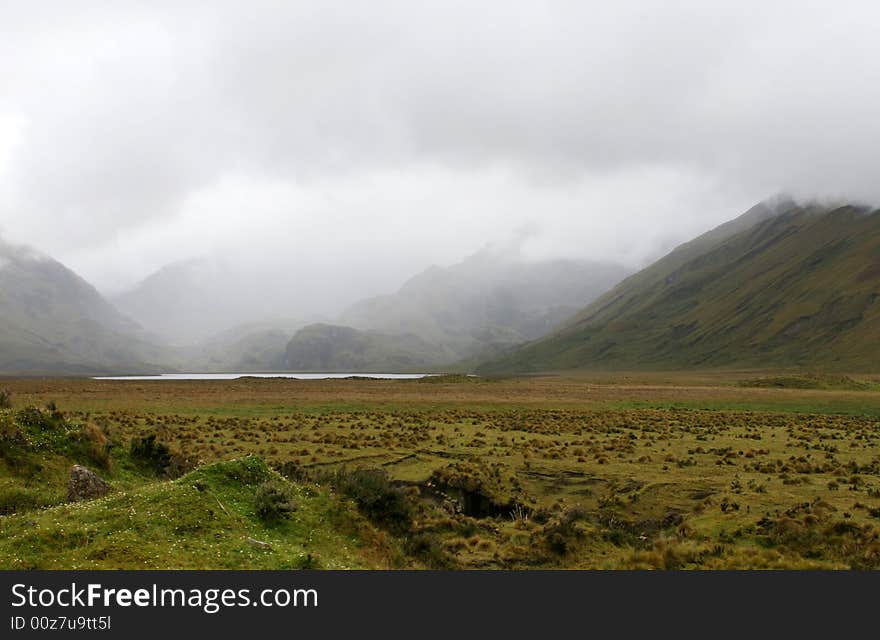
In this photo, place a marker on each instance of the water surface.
(282, 374)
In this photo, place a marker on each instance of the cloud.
(373, 138)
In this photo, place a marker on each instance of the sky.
(341, 147)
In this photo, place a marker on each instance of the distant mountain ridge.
(783, 285)
(486, 302)
(53, 321)
(183, 302)
(333, 348)
(250, 347)
(444, 318)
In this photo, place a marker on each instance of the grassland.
(639, 470)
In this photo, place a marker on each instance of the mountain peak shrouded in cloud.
(491, 300)
(53, 321)
(189, 301)
(364, 143)
(10, 253)
(783, 286)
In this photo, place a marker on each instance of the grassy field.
(642, 470)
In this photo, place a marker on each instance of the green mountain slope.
(781, 286)
(332, 348)
(51, 320)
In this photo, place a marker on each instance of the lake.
(295, 376)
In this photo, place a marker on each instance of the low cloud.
(345, 147)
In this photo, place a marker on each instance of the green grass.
(206, 519)
(538, 473)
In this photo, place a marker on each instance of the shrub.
(274, 501)
(375, 496)
(39, 429)
(427, 546)
(36, 420)
(561, 532)
(9, 430)
(154, 454)
(5, 399)
(96, 445)
(294, 471)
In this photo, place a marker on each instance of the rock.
(85, 485)
(259, 543)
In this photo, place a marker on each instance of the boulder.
(85, 485)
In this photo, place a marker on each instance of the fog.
(335, 149)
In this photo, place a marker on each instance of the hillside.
(51, 320)
(781, 286)
(183, 302)
(333, 348)
(206, 519)
(486, 302)
(254, 347)
(211, 517)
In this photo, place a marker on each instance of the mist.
(331, 151)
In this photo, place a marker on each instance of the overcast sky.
(349, 145)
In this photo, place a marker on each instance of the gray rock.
(85, 485)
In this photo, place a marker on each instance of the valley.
(719, 409)
(745, 469)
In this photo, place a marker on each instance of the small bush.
(158, 457)
(293, 471)
(427, 546)
(96, 445)
(375, 496)
(40, 430)
(5, 399)
(9, 430)
(561, 532)
(38, 421)
(274, 500)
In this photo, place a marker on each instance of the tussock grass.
(517, 474)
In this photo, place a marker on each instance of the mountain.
(482, 306)
(333, 348)
(784, 285)
(204, 302)
(250, 347)
(488, 302)
(51, 320)
(185, 302)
